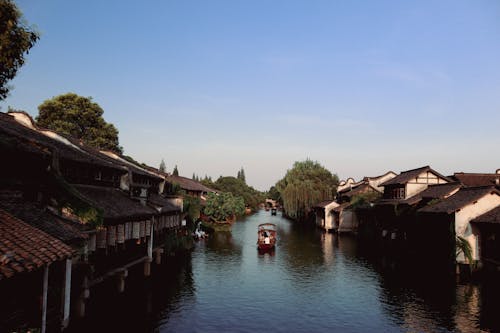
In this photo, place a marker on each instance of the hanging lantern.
(111, 236)
(120, 234)
(92, 242)
(101, 238)
(135, 230)
(142, 230)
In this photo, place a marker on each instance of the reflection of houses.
(110, 211)
(453, 214)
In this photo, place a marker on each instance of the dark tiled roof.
(24, 248)
(439, 191)
(493, 216)
(476, 179)
(341, 207)
(40, 218)
(362, 188)
(323, 204)
(188, 184)
(115, 203)
(33, 139)
(459, 200)
(119, 161)
(406, 176)
(160, 201)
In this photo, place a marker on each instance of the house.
(324, 215)
(190, 186)
(453, 215)
(116, 204)
(395, 210)
(353, 196)
(411, 182)
(27, 254)
(488, 225)
(477, 179)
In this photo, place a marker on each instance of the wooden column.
(158, 256)
(44, 297)
(66, 293)
(84, 294)
(121, 280)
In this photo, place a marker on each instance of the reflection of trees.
(302, 246)
(221, 243)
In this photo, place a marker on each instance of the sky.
(362, 87)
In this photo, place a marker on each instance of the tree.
(223, 207)
(16, 39)
(239, 188)
(241, 175)
(274, 194)
(80, 118)
(176, 171)
(303, 186)
(162, 167)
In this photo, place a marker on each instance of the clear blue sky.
(362, 87)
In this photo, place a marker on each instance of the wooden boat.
(266, 236)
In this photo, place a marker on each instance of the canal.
(313, 282)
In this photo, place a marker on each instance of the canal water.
(312, 282)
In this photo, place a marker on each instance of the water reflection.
(312, 282)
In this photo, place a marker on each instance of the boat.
(266, 236)
(273, 211)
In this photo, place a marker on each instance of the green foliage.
(192, 208)
(80, 118)
(176, 171)
(207, 181)
(239, 188)
(463, 246)
(303, 186)
(16, 39)
(71, 202)
(364, 199)
(274, 194)
(224, 206)
(163, 167)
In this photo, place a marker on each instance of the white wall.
(348, 221)
(465, 215)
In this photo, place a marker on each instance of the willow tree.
(303, 186)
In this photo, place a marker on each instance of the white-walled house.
(460, 209)
(411, 182)
(324, 215)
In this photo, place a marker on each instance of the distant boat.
(266, 236)
(273, 211)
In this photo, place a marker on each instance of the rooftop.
(115, 203)
(493, 216)
(24, 248)
(408, 175)
(457, 201)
